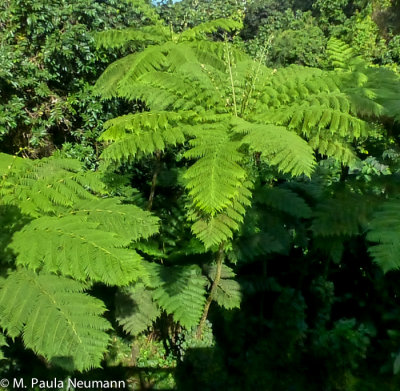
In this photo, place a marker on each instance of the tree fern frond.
(136, 309)
(212, 26)
(112, 39)
(331, 147)
(56, 319)
(284, 200)
(127, 221)
(180, 291)
(256, 244)
(307, 116)
(228, 293)
(211, 52)
(107, 84)
(125, 71)
(342, 216)
(117, 128)
(144, 143)
(215, 229)
(144, 133)
(289, 152)
(214, 179)
(384, 231)
(193, 86)
(41, 185)
(340, 54)
(77, 248)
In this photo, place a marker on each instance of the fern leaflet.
(56, 319)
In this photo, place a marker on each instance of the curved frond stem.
(214, 287)
(229, 63)
(247, 94)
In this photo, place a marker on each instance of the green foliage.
(284, 200)
(340, 54)
(342, 215)
(384, 231)
(279, 147)
(228, 293)
(180, 291)
(346, 341)
(76, 248)
(40, 186)
(67, 232)
(143, 134)
(136, 309)
(155, 363)
(218, 160)
(56, 319)
(190, 13)
(323, 107)
(48, 57)
(289, 173)
(303, 46)
(2, 343)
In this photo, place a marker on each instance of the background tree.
(49, 61)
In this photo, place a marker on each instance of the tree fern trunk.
(214, 286)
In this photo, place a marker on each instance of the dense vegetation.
(201, 195)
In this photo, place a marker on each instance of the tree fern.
(56, 319)
(232, 118)
(285, 116)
